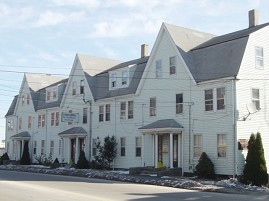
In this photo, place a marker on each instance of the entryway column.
(171, 150)
(77, 150)
(156, 150)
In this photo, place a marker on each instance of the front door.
(175, 151)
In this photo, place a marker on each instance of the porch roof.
(75, 131)
(162, 126)
(22, 135)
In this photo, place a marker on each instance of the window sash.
(29, 122)
(43, 121)
(159, 68)
(82, 83)
(197, 146)
(122, 146)
(28, 99)
(220, 98)
(101, 113)
(124, 78)
(123, 110)
(113, 80)
(172, 64)
(74, 88)
(179, 103)
(152, 105)
(52, 119)
(138, 146)
(107, 112)
(130, 109)
(85, 115)
(259, 57)
(256, 97)
(57, 114)
(221, 145)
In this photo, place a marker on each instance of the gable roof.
(99, 84)
(12, 106)
(94, 65)
(209, 57)
(74, 130)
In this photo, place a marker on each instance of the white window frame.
(74, 88)
(152, 106)
(82, 86)
(179, 103)
(10, 124)
(101, 113)
(124, 79)
(28, 99)
(138, 146)
(197, 145)
(172, 65)
(130, 109)
(52, 148)
(256, 100)
(222, 145)
(57, 118)
(158, 68)
(85, 115)
(42, 151)
(216, 100)
(122, 146)
(123, 110)
(43, 120)
(113, 80)
(259, 57)
(108, 108)
(52, 119)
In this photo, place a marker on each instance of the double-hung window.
(113, 80)
(152, 107)
(124, 78)
(57, 119)
(52, 119)
(123, 110)
(130, 109)
(179, 103)
(101, 113)
(85, 115)
(82, 83)
(197, 146)
(74, 88)
(122, 146)
(209, 100)
(42, 147)
(221, 145)
(51, 148)
(172, 65)
(29, 122)
(159, 68)
(107, 112)
(138, 146)
(215, 99)
(259, 57)
(256, 98)
(28, 99)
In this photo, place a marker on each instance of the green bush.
(255, 171)
(82, 161)
(3, 158)
(205, 167)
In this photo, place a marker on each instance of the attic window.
(124, 78)
(259, 57)
(52, 94)
(172, 64)
(113, 80)
(159, 68)
(82, 86)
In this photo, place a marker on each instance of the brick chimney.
(144, 50)
(253, 17)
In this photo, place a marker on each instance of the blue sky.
(43, 36)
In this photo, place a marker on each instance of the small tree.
(25, 159)
(106, 152)
(82, 161)
(3, 158)
(205, 167)
(255, 171)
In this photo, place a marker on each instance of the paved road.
(21, 186)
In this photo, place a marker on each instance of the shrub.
(3, 158)
(205, 167)
(25, 159)
(255, 170)
(82, 161)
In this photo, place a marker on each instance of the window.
(55, 93)
(101, 113)
(82, 86)
(124, 78)
(221, 98)
(52, 119)
(94, 147)
(259, 57)
(209, 100)
(122, 146)
(39, 121)
(221, 145)
(130, 109)
(172, 64)
(29, 122)
(74, 88)
(22, 100)
(107, 112)
(159, 68)
(113, 80)
(10, 124)
(48, 95)
(60, 147)
(138, 145)
(123, 110)
(35, 145)
(256, 98)
(43, 120)
(85, 115)
(42, 147)
(152, 107)
(215, 99)
(70, 123)
(51, 148)
(20, 123)
(197, 146)
(179, 103)
(57, 119)
(28, 99)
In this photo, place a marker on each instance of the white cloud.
(78, 3)
(50, 18)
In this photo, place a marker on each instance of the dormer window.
(52, 94)
(82, 83)
(113, 80)
(124, 78)
(259, 57)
